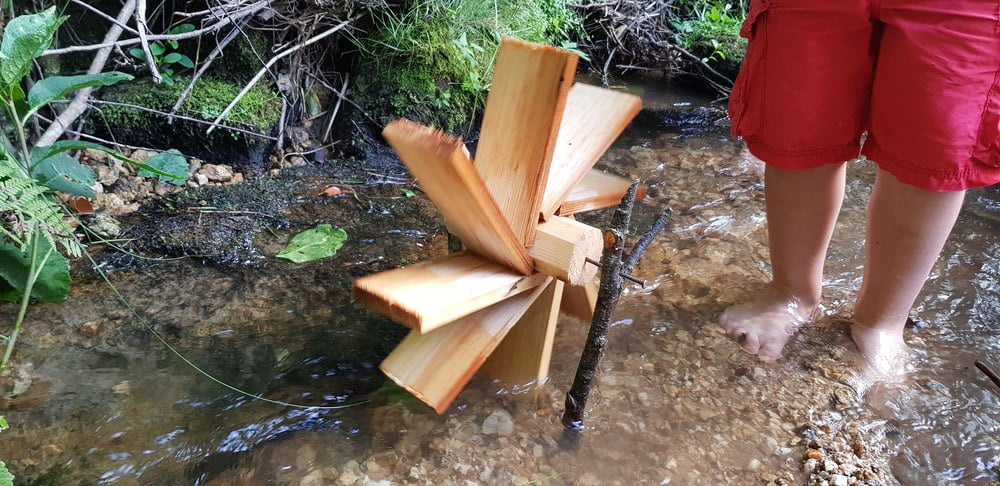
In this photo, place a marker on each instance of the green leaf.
(173, 44)
(53, 281)
(3, 423)
(314, 244)
(182, 29)
(186, 62)
(25, 38)
(63, 173)
(6, 478)
(171, 58)
(408, 192)
(55, 87)
(138, 54)
(169, 166)
(39, 154)
(157, 49)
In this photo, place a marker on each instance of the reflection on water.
(676, 402)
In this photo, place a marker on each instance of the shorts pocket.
(745, 100)
(987, 149)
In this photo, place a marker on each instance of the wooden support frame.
(562, 247)
(580, 301)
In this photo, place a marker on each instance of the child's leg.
(907, 227)
(802, 207)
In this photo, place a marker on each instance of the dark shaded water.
(94, 398)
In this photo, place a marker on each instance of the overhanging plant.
(34, 234)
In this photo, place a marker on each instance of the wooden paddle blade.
(443, 169)
(431, 294)
(580, 302)
(524, 355)
(593, 119)
(523, 112)
(434, 367)
(598, 190)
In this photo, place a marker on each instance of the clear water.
(676, 403)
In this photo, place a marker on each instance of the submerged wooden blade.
(580, 302)
(523, 112)
(431, 294)
(434, 367)
(593, 119)
(524, 355)
(443, 169)
(598, 190)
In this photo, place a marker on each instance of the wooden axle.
(562, 247)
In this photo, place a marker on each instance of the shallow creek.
(95, 399)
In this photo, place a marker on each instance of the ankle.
(805, 300)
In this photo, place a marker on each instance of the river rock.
(351, 474)
(499, 423)
(104, 226)
(217, 173)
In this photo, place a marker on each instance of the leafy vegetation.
(165, 57)
(314, 244)
(432, 60)
(33, 225)
(711, 29)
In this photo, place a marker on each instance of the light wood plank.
(593, 120)
(434, 367)
(598, 190)
(523, 356)
(523, 112)
(431, 294)
(562, 247)
(580, 302)
(443, 169)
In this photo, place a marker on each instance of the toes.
(749, 340)
(770, 351)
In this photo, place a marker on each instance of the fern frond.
(26, 207)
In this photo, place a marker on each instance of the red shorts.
(921, 77)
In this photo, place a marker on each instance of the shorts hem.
(929, 179)
(802, 159)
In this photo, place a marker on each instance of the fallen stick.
(614, 266)
(79, 103)
(992, 375)
(140, 22)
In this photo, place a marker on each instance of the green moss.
(259, 109)
(433, 61)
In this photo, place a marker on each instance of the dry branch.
(140, 23)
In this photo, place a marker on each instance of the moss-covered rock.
(432, 60)
(259, 111)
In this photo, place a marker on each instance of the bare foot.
(762, 327)
(883, 351)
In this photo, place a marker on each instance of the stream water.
(93, 398)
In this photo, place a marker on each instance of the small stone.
(92, 328)
(319, 477)
(838, 480)
(815, 455)
(122, 388)
(830, 466)
(588, 480)
(274, 172)
(297, 161)
(499, 423)
(107, 175)
(810, 465)
(237, 178)
(141, 155)
(754, 465)
(200, 180)
(350, 475)
(217, 173)
(163, 188)
(93, 154)
(104, 226)
(643, 399)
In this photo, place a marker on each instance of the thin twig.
(201, 70)
(270, 63)
(128, 42)
(992, 375)
(105, 16)
(336, 109)
(140, 22)
(79, 103)
(647, 238)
